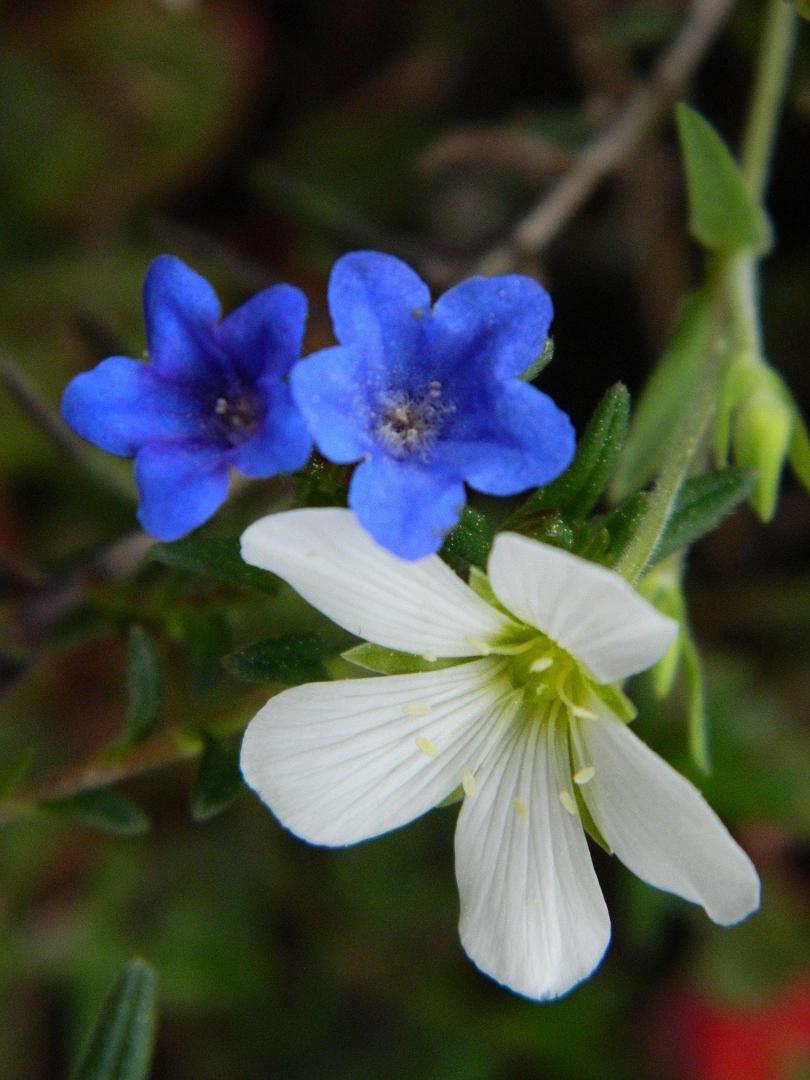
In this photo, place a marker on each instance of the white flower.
(527, 728)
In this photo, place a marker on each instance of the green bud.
(763, 430)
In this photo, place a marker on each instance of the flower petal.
(532, 913)
(122, 404)
(333, 563)
(519, 441)
(344, 761)
(501, 322)
(331, 390)
(282, 444)
(660, 825)
(406, 507)
(180, 487)
(264, 335)
(589, 610)
(181, 312)
(378, 304)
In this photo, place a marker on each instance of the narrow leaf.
(471, 539)
(576, 491)
(289, 659)
(702, 504)
(13, 774)
(665, 398)
(540, 362)
(123, 1040)
(215, 558)
(218, 778)
(621, 524)
(723, 216)
(107, 811)
(146, 688)
(697, 725)
(391, 662)
(207, 637)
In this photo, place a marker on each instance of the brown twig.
(614, 144)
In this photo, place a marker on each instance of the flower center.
(408, 424)
(237, 417)
(551, 683)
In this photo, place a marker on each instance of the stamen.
(581, 711)
(521, 809)
(584, 775)
(430, 656)
(426, 746)
(221, 406)
(416, 708)
(569, 802)
(480, 646)
(540, 664)
(468, 782)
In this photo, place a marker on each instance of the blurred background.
(258, 142)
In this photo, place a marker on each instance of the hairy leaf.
(701, 505)
(217, 558)
(218, 778)
(290, 659)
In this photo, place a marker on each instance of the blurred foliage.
(258, 142)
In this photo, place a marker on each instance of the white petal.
(589, 610)
(344, 761)
(532, 913)
(418, 607)
(660, 825)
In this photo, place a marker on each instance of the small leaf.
(723, 216)
(218, 778)
(105, 810)
(697, 724)
(540, 362)
(123, 1040)
(146, 688)
(13, 774)
(207, 637)
(289, 659)
(665, 398)
(702, 504)
(391, 662)
(621, 524)
(215, 558)
(471, 539)
(576, 491)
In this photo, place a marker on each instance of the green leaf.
(218, 778)
(146, 688)
(799, 452)
(702, 504)
(621, 524)
(540, 362)
(697, 724)
(576, 491)
(289, 659)
(665, 398)
(471, 539)
(105, 810)
(123, 1040)
(391, 662)
(723, 216)
(13, 774)
(217, 558)
(207, 637)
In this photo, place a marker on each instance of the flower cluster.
(424, 398)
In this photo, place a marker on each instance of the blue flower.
(211, 397)
(429, 397)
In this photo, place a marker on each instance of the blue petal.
(181, 311)
(484, 325)
(332, 390)
(122, 404)
(180, 487)
(406, 507)
(518, 438)
(380, 305)
(282, 445)
(264, 335)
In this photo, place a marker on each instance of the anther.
(416, 708)
(426, 746)
(520, 808)
(568, 801)
(584, 775)
(468, 782)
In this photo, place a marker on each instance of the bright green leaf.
(215, 558)
(723, 216)
(391, 662)
(218, 778)
(291, 659)
(146, 688)
(576, 491)
(123, 1040)
(471, 539)
(701, 505)
(105, 810)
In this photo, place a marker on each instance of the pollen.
(430, 656)
(468, 782)
(584, 775)
(426, 746)
(520, 808)
(416, 708)
(568, 801)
